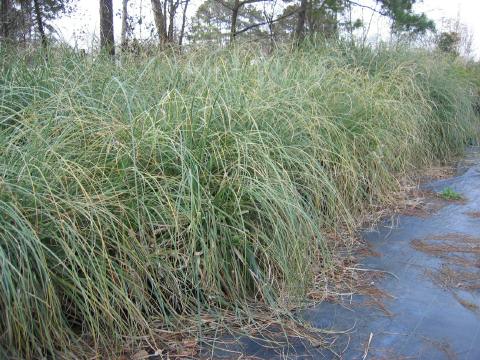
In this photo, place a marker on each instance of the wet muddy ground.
(428, 300)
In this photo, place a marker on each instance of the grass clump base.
(154, 190)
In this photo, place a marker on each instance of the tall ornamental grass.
(152, 189)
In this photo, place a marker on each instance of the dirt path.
(430, 308)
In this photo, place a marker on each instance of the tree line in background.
(220, 21)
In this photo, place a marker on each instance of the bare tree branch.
(223, 3)
(268, 21)
(366, 7)
(244, 2)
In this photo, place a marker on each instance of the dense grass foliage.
(154, 189)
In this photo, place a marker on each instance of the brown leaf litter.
(460, 268)
(473, 214)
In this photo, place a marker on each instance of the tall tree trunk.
(5, 18)
(233, 24)
(165, 21)
(171, 18)
(271, 30)
(39, 20)
(300, 28)
(24, 12)
(171, 21)
(184, 21)
(160, 21)
(123, 34)
(107, 40)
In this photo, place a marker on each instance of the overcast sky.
(80, 27)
